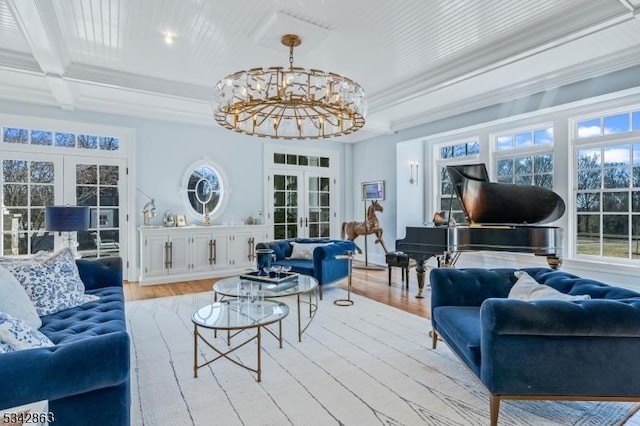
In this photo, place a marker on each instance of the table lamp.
(67, 219)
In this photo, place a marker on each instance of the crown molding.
(18, 61)
(111, 78)
(544, 82)
(509, 51)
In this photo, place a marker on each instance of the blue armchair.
(544, 349)
(323, 266)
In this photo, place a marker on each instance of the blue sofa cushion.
(460, 327)
(103, 316)
(300, 266)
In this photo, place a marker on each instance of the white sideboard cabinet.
(197, 252)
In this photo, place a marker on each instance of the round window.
(205, 189)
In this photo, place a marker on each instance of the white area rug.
(368, 364)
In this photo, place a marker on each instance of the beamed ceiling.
(418, 60)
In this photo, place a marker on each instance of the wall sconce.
(414, 177)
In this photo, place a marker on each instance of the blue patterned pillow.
(16, 334)
(52, 285)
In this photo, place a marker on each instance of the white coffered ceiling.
(418, 60)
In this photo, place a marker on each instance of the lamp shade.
(66, 218)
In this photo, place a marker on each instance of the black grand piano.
(500, 216)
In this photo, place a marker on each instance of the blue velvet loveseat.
(85, 375)
(542, 349)
(319, 262)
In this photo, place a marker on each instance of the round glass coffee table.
(236, 315)
(302, 285)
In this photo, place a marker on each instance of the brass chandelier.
(293, 103)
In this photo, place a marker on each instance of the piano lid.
(485, 202)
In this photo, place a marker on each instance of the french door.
(302, 204)
(32, 181)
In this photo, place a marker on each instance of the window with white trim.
(525, 157)
(607, 185)
(449, 154)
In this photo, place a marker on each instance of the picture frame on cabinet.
(181, 220)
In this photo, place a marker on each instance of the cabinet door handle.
(215, 252)
(171, 254)
(212, 252)
(306, 222)
(251, 249)
(166, 256)
(300, 222)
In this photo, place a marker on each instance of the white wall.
(409, 197)
(375, 161)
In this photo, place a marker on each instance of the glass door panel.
(319, 207)
(97, 185)
(285, 206)
(28, 185)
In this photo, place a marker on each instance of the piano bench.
(400, 260)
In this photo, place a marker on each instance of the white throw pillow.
(52, 285)
(304, 250)
(16, 334)
(526, 288)
(14, 299)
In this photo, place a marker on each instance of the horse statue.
(372, 226)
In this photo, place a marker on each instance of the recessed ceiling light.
(169, 37)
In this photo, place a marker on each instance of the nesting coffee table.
(303, 285)
(236, 315)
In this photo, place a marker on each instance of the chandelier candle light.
(293, 103)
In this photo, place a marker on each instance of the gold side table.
(348, 256)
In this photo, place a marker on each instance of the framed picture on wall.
(181, 220)
(373, 190)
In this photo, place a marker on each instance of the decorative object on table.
(181, 220)
(273, 277)
(264, 257)
(67, 219)
(293, 103)
(168, 219)
(440, 218)
(148, 211)
(206, 221)
(352, 230)
(249, 221)
(348, 256)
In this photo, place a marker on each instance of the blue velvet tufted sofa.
(324, 266)
(85, 375)
(544, 349)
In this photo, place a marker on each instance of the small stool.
(400, 260)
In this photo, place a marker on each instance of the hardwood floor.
(371, 283)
